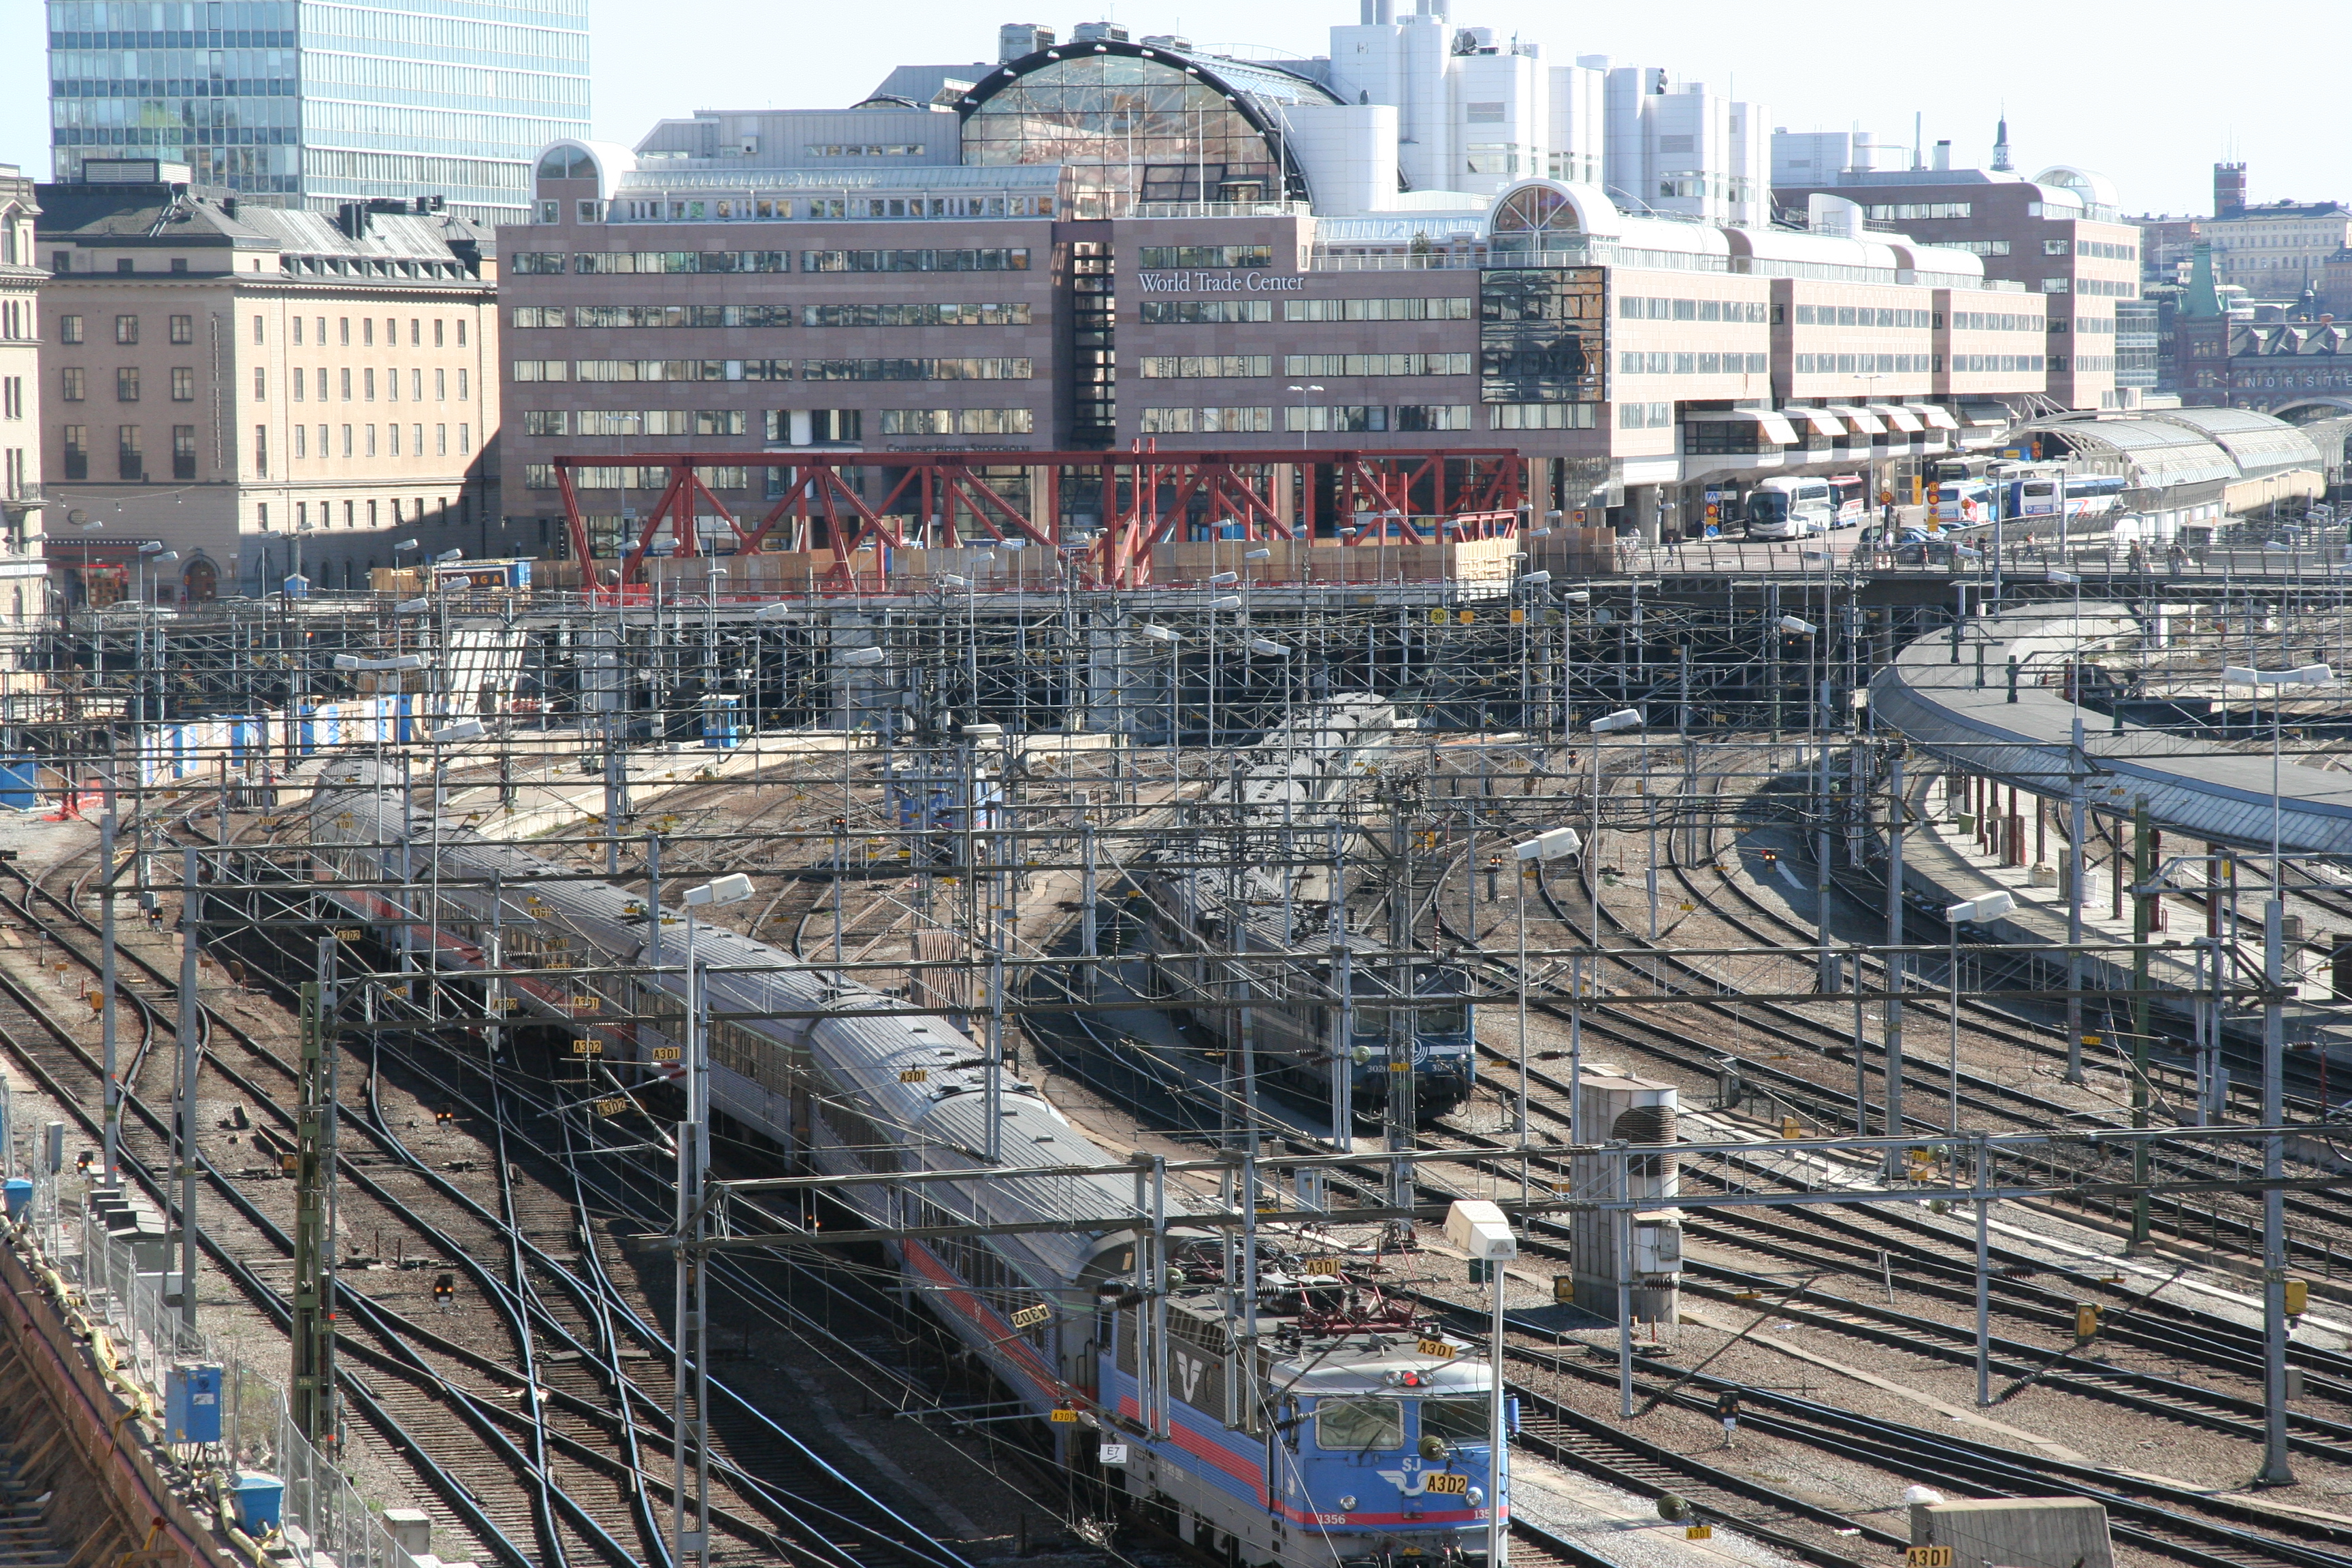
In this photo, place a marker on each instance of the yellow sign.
(611, 1107)
(915, 1075)
(2298, 1297)
(1063, 1417)
(1328, 1267)
(664, 1053)
(1446, 1485)
(1518, 617)
(1400, 1066)
(587, 1048)
(1926, 1557)
(1437, 1348)
(1030, 1317)
(1466, 617)
(349, 933)
(1698, 1532)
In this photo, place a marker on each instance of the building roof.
(200, 220)
(2163, 448)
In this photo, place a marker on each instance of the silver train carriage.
(1324, 1441)
(1183, 912)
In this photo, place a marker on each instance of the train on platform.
(1340, 1041)
(1331, 1425)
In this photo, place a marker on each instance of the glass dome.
(1135, 127)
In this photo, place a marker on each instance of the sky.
(2133, 91)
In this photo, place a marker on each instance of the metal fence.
(324, 1518)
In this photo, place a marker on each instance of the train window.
(1372, 1022)
(1455, 1420)
(1444, 1020)
(1358, 1425)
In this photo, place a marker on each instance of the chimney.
(1944, 153)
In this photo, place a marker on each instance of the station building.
(1116, 242)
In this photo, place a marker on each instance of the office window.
(184, 384)
(126, 329)
(72, 383)
(1377, 365)
(392, 384)
(347, 441)
(2053, 248)
(261, 451)
(68, 329)
(351, 514)
(1204, 367)
(256, 330)
(298, 331)
(1197, 312)
(260, 384)
(302, 449)
(416, 386)
(367, 331)
(416, 440)
(370, 441)
(367, 383)
(436, 332)
(326, 446)
(440, 440)
(130, 452)
(463, 394)
(1012, 369)
(182, 329)
(302, 383)
(1345, 416)
(1432, 416)
(461, 331)
(124, 264)
(416, 332)
(371, 514)
(77, 451)
(465, 440)
(343, 329)
(126, 383)
(394, 437)
(719, 422)
(440, 384)
(347, 383)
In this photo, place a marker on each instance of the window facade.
(1542, 335)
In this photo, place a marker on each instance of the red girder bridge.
(1146, 498)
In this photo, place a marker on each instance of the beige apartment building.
(258, 388)
(21, 570)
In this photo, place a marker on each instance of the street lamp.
(1557, 844)
(1223, 601)
(1480, 1229)
(1988, 907)
(693, 1160)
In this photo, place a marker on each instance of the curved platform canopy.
(2194, 788)
(2166, 449)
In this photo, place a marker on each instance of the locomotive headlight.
(1347, 1503)
(1360, 1055)
(1476, 1497)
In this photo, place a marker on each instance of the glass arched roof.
(1139, 124)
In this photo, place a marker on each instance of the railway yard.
(936, 1083)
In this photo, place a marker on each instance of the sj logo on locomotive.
(1219, 283)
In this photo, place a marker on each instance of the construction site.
(914, 1033)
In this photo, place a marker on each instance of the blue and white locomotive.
(1278, 809)
(1328, 1426)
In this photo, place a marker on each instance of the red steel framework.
(1147, 497)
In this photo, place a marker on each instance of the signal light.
(445, 1288)
(446, 1115)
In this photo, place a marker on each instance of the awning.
(1937, 416)
(1861, 420)
(1985, 414)
(1899, 417)
(1772, 426)
(1823, 422)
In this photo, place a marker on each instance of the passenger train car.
(1274, 810)
(1342, 1430)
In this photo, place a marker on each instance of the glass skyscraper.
(319, 104)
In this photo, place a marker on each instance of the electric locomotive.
(1325, 1425)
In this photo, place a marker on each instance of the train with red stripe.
(1258, 1395)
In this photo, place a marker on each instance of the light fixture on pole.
(2275, 1470)
(1990, 906)
(1532, 853)
(1480, 1229)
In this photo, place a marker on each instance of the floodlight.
(1534, 579)
(411, 606)
(771, 612)
(2308, 675)
(860, 658)
(1268, 647)
(463, 730)
(1560, 843)
(731, 889)
(404, 545)
(1224, 579)
(1797, 628)
(1230, 602)
(1981, 909)
(1158, 634)
(1624, 719)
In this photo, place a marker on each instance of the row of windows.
(1206, 256)
(1996, 322)
(1194, 368)
(2022, 364)
(957, 421)
(610, 262)
(2108, 288)
(2105, 251)
(1541, 416)
(1015, 314)
(391, 383)
(1344, 417)
(130, 452)
(183, 330)
(774, 209)
(1862, 316)
(1646, 416)
(1448, 307)
(1865, 364)
(1913, 212)
(352, 518)
(1978, 246)
(1017, 368)
(1377, 365)
(1641, 307)
(1635, 362)
(360, 441)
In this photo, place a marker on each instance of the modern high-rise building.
(315, 105)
